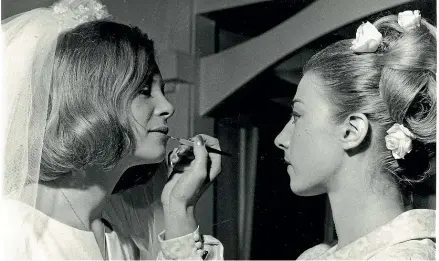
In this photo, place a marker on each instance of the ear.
(354, 131)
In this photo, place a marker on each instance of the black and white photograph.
(218, 129)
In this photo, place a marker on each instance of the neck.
(358, 209)
(78, 199)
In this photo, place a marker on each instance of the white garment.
(136, 216)
(410, 236)
(31, 234)
(50, 239)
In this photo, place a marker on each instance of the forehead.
(310, 89)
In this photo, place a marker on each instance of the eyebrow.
(294, 101)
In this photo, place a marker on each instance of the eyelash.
(146, 92)
(295, 116)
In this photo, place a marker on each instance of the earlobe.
(355, 129)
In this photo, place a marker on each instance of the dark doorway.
(285, 225)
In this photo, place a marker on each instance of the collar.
(410, 225)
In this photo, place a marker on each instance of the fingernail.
(175, 161)
(175, 158)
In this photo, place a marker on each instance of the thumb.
(200, 153)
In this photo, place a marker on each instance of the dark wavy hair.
(99, 67)
(395, 84)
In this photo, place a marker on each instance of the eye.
(146, 92)
(294, 116)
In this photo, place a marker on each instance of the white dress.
(137, 221)
(49, 239)
(410, 236)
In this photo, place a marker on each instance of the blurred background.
(231, 69)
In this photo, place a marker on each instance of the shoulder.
(20, 221)
(424, 249)
(315, 251)
(16, 228)
(15, 214)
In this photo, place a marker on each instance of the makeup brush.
(191, 144)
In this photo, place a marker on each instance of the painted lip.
(160, 129)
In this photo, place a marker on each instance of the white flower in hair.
(399, 140)
(409, 20)
(81, 10)
(367, 40)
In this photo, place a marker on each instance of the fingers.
(180, 153)
(215, 158)
(173, 157)
(180, 158)
(201, 156)
(184, 150)
(210, 141)
(197, 158)
(183, 164)
(194, 168)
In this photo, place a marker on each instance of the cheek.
(141, 113)
(313, 150)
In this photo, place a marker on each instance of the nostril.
(277, 143)
(280, 145)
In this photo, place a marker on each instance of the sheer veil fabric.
(28, 55)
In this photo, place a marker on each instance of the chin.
(151, 156)
(158, 158)
(306, 191)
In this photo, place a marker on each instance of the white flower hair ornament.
(399, 140)
(409, 20)
(81, 10)
(367, 40)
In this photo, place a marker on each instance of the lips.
(287, 162)
(161, 129)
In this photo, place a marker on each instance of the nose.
(164, 108)
(282, 141)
